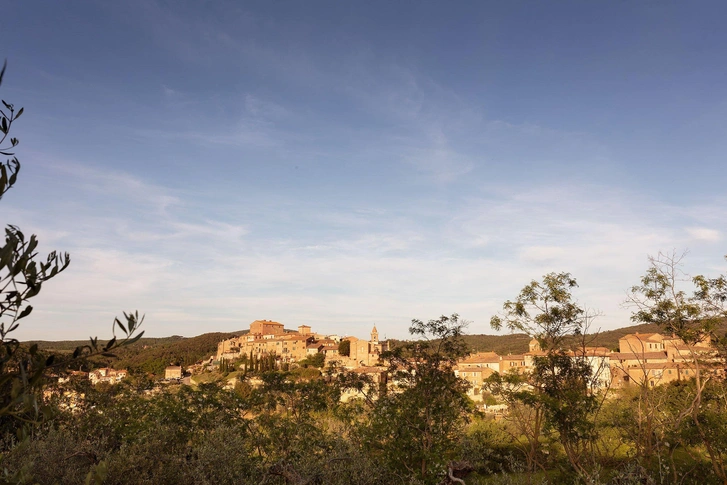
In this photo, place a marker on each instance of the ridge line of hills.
(153, 354)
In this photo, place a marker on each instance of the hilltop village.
(289, 347)
(642, 359)
(649, 359)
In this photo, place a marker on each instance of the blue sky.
(340, 164)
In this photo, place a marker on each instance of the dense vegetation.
(292, 428)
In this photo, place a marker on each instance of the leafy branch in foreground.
(22, 275)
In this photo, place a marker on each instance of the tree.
(415, 427)
(22, 275)
(660, 298)
(316, 360)
(561, 380)
(344, 348)
(525, 412)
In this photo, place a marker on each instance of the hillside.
(150, 355)
(186, 351)
(518, 343)
(62, 346)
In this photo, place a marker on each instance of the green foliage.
(559, 387)
(488, 446)
(154, 357)
(544, 310)
(344, 348)
(661, 299)
(316, 360)
(305, 373)
(292, 430)
(415, 428)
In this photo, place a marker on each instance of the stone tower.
(374, 335)
(534, 345)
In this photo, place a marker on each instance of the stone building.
(365, 353)
(106, 374)
(173, 372)
(652, 359)
(266, 327)
(266, 337)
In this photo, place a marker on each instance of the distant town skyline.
(341, 165)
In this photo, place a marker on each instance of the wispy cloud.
(704, 234)
(357, 267)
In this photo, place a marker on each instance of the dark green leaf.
(25, 312)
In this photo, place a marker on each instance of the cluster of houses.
(271, 338)
(106, 374)
(649, 359)
(644, 359)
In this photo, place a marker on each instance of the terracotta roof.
(482, 357)
(268, 322)
(654, 337)
(592, 352)
(638, 356)
(513, 357)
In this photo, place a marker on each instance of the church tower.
(534, 345)
(374, 335)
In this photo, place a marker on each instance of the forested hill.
(151, 355)
(517, 343)
(70, 345)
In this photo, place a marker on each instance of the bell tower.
(534, 345)
(374, 335)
